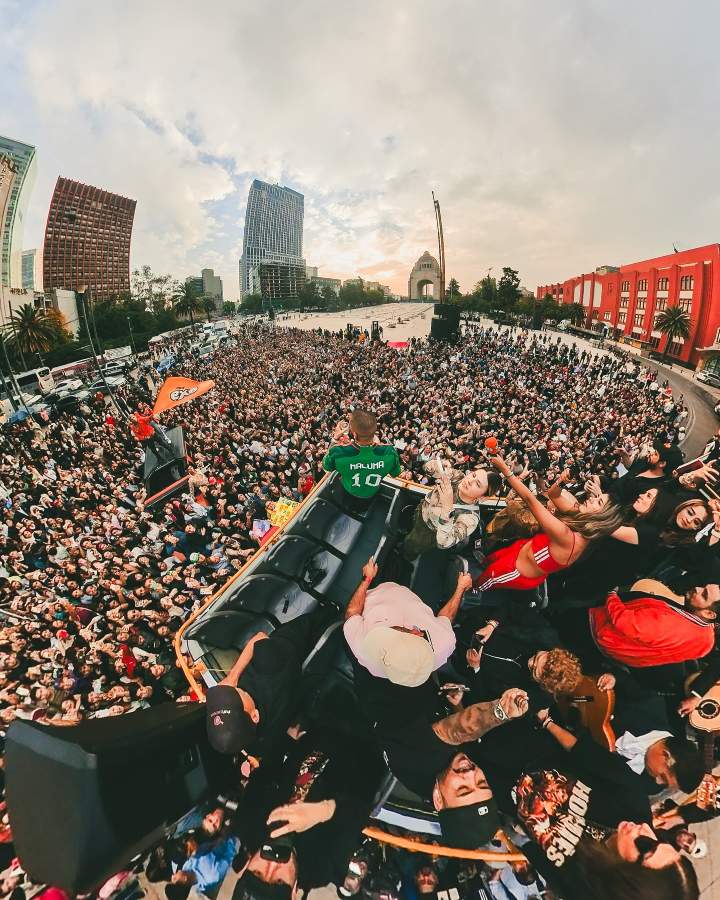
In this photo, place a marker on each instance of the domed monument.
(425, 273)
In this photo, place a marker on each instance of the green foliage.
(452, 291)
(508, 288)
(575, 312)
(674, 323)
(485, 295)
(251, 303)
(229, 308)
(31, 331)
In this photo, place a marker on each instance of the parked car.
(709, 378)
(66, 386)
(113, 368)
(70, 402)
(113, 381)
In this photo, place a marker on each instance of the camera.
(278, 849)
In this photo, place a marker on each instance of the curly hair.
(561, 672)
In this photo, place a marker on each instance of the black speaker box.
(84, 800)
(163, 468)
(441, 309)
(452, 315)
(439, 329)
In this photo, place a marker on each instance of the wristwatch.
(499, 712)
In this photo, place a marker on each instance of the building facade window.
(625, 286)
(638, 318)
(661, 304)
(642, 301)
(642, 284)
(606, 315)
(687, 282)
(685, 305)
(675, 349)
(654, 343)
(663, 284)
(624, 302)
(622, 318)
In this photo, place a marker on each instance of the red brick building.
(626, 299)
(87, 240)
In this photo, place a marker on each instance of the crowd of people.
(95, 584)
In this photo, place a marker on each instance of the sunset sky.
(558, 136)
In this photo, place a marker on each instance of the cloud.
(558, 136)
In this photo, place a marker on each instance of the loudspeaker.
(84, 800)
(452, 316)
(441, 309)
(164, 467)
(439, 330)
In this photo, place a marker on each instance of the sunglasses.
(646, 846)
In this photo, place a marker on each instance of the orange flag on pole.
(175, 391)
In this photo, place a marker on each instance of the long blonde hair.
(594, 525)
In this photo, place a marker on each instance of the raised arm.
(450, 610)
(472, 723)
(553, 527)
(357, 602)
(243, 661)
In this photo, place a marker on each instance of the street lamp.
(132, 337)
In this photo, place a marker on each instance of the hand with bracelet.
(512, 705)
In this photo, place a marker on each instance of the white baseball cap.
(407, 659)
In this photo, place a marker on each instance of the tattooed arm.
(472, 723)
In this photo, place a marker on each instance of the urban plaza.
(359, 493)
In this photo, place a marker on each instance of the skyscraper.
(273, 237)
(32, 270)
(17, 177)
(87, 240)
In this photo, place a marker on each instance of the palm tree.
(32, 330)
(186, 302)
(208, 306)
(674, 323)
(577, 313)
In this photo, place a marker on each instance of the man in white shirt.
(671, 762)
(394, 635)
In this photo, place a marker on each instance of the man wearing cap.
(394, 635)
(250, 709)
(429, 758)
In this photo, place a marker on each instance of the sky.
(558, 136)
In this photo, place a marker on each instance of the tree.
(58, 322)
(674, 323)
(154, 291)
(328, 294)
(452, 292)
(251, 303)
(485, 295)
(576, 313)
(229, 308)
(308, 294)
(186, 301)
(509, 288)
(31, 330)
(207, 304)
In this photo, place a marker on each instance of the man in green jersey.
(361, 462)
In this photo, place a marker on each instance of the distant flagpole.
(441, 246)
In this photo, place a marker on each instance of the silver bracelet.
(499, 712)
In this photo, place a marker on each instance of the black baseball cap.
(249, 885)
(230, 729)
(470, 827)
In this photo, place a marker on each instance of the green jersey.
(362, 468)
